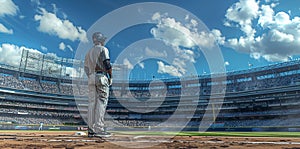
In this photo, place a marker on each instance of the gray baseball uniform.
(98, 85)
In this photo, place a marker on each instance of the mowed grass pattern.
(237, 134)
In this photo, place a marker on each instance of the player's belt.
(101, 72)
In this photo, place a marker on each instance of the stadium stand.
(259, 97)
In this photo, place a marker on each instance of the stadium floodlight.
(48, 65)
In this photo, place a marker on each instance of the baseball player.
(99, 71)
(41, 126)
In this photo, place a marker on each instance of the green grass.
(2, 131)
(185, 133)
(233, 134)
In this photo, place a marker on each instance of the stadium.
(255, 100)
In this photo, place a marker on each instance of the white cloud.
(127, 63)
(156, 16)
(226, 63)
(282, 18)
(142, 65)
(21, 16)
(242, 13)
(65, 16)
(184, 38)
(275, 57)
(278, 39)
(45, 49)
(3, 29)
(180, 66)
(255, 55)
(175, 33)
(194, 22)
(8, 7)
(62, 46)
(54, 8)
(218, 36)
(277, 36)
(266, 16)
(70, 48)
(243, 44)
(64, 29)
(184, 55)
(37, 2)
(169, 69)
(155, 53)
(11, 54)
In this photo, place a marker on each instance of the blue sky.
(247, 32)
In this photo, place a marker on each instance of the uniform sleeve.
(105, 54)
(106, 59)
(86, 60)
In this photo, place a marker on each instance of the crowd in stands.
(49, 87)
(276, 112)
(243, 123)
(66, 88)
(266, 122)
(28, 105)
(31, 120)
(209, 89)
(30, 113)
(45, 110)
(33, 113)
(31, 85)
(131, 123)
(10, 81)
(82, 89)
(279, 121)
(36, 112)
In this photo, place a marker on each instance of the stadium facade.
(53, 90)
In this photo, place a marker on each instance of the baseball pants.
(98, 98)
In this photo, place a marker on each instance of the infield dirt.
(68, 140)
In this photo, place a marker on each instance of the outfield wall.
(152, 128)
(248, 129)
(36, 127)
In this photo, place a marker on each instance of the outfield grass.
(186, 133)
(36, 131)
(237, 134)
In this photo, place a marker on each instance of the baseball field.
(26, 139)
